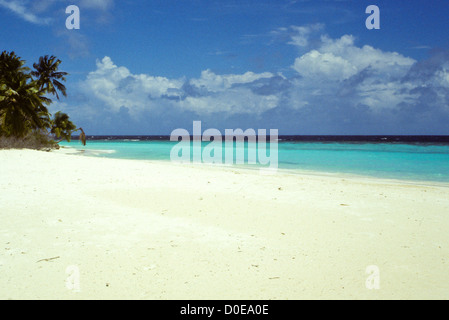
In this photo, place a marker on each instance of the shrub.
(35, 140)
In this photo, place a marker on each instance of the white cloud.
(240, 101)
(32, 11)
(381, 96)
(301, 34)
(391, 63)
(338, 59)
(336, 81)
(116, 87)
(20, 8)
(324, 66)
(214, 82)
(297, 35)
(360, 75)
(97, 4)
(232, 101)
(374, 75)
(442, 76)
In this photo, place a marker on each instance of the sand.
(75, 227)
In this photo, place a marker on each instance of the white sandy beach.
(155, 230)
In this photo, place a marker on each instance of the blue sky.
(303, 67)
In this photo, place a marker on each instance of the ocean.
(418, 158)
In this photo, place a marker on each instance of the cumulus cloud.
(339, 59)
(336, 87)
(326, 66)
(392, 63)
(359, 76)
(117, 87)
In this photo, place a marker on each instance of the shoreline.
(132, 229)
(301, 172)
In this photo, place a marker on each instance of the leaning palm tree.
(82, 136)
(48, 77)
(63, 128)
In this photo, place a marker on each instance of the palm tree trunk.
(82, 136)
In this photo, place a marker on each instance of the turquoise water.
(384, 160)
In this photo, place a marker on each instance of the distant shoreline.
(436, 139)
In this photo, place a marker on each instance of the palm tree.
(82, 136)
(62, 127)
(23, 108)
(11, 67)
(48, 76)
(22, 103)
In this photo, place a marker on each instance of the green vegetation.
(25, 121)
